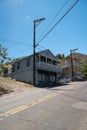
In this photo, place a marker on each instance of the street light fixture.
(72, 73)
(34, 46)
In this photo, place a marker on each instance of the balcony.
(48, 67)
(66, 66)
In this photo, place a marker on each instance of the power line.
(23, 43)
(39, 49)
(55, 17)
(20, 52)
(42, 46)
(16, 42)
(58, 21)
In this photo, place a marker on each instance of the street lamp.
(72, 73)
(34, 46)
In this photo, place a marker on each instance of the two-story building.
(47, 71)
(67, 71)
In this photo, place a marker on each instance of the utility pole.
(72, 72)
(34, 46)
(34, 56)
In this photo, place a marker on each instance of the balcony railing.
(48, 67)
(66, 66)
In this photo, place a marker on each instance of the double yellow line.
(31, 104)
(26, 106)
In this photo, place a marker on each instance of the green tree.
(3, 54)
(3, 57)
(84, 69)
(60, 56)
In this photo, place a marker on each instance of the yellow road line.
(20, 109)
(26, 106)
(43, 99)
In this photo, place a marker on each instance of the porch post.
(46, 59)
(39, 58)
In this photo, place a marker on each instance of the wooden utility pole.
(34, 46)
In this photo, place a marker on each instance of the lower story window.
(41, 77)
(52, 78)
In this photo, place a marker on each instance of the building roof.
(46, 53)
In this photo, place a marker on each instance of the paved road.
(58, 108)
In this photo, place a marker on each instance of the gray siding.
(24, 73)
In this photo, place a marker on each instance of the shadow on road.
(52, 86)
(75, 97)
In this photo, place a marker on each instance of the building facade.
(47, 72)
(67, 69)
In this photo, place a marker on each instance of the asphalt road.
(59, 108)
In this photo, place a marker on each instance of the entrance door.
(47, 78)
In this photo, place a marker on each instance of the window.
(28, 62)
(18, 65)
(52, 78)
(41, 77)
(13, 68)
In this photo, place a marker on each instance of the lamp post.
(34, 46)
(72, 72)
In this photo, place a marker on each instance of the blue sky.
(16, 26)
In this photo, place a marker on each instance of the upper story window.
(54, 63)
(28, 62)
(18, 65)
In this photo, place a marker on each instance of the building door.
(47, 78)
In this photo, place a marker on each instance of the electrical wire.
(22, 52)
(58, 22)
(23, 43)
(16, 42)
(55, 17)
(39, 49)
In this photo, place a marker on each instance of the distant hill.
(79, 57)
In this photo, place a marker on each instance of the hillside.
(79, 57)
(8, 86)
